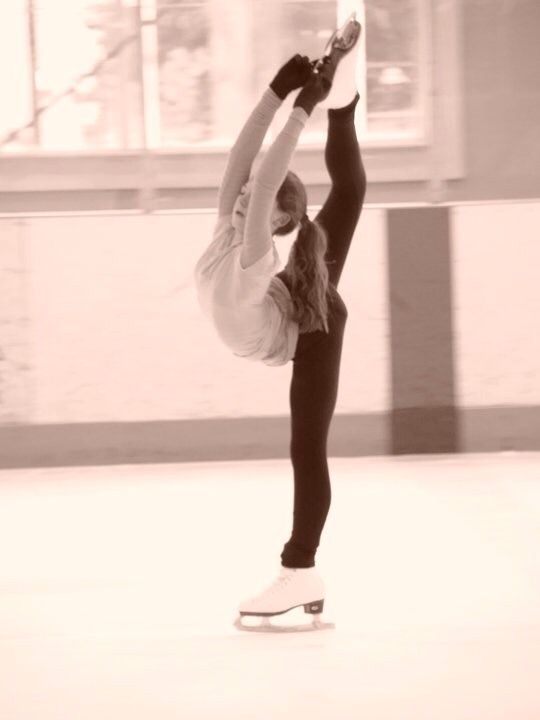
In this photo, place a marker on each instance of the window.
(81, 61)
(175, 78)
(183, 34)
(197, 62)
(391, 64)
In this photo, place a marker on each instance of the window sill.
(195, 169)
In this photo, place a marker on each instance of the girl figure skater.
(296, 314)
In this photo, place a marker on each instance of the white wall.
(496, 286)
(116, 333)
(15, 327)
(100, 322)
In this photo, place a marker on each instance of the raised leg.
(341, 210)
(316, 366)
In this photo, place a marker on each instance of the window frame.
(435, 159)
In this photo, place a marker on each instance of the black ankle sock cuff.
(336, 112)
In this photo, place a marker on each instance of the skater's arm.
(267, 181)
(245, 150)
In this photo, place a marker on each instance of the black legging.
(316, 364)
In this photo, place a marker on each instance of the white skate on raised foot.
(342, 48)
(293, 588)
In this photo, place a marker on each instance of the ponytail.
(308, 273)
(306, 266)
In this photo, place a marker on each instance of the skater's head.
(306, 266)
(279, 218)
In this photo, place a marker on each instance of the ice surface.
(119, 587)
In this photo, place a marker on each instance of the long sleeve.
(245, 150)
(270, 175)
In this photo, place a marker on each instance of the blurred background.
(115, 124)
(120, 74)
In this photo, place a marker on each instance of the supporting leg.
(313, 395)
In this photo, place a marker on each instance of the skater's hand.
(292, 75)
(316, 89)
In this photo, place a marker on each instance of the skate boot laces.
(275, 587)
(279, 583)
(280, 586)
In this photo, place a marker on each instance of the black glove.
(318, 85)
(292, 75)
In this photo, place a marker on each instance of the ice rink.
(119, 587)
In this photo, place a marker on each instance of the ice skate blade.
(267, 627)
(340, 44)
(345, 37)
(344, 86)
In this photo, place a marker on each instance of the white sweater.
(250, 307)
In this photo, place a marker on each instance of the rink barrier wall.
(241, 439)
(106, 359)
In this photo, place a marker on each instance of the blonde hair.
(306, 267)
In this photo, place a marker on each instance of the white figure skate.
(292, 589)
(342, 51)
